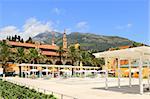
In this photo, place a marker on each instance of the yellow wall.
(135, 74)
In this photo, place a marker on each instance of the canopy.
(91, 71)
(102, 71)
(140, 54)
(65, 70)
(80, 71)
(33, 70)
(46, 70)
(126, 53)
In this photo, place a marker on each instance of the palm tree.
(35, 56)
(72, 54)
(19, 57)
(84, 57)
(6, 55)
(60, 51)
(95, 61)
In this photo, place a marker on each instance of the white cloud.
(56, 11)
(31, 28)
(127, 26)
(8, 31)
(82, 26)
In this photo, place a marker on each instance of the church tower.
(64, 40)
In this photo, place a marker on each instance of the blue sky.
(125, 18)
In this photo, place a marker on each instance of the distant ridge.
(87, 41)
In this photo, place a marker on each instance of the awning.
(33, 70)
(46, 70)
(135, 52)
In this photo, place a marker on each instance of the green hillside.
(88, 41)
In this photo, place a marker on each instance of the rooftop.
(44, 46)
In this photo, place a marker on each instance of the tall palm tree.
(35, 56)
(84, 57)
(5, 55)
(19, 57)
(60, 51)
(73, 54)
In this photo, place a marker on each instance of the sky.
(124, 18)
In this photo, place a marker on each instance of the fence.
(45, 91)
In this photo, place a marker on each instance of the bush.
(9, 90)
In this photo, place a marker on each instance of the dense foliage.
(5, 54)
(17, 38)
(19, 55)
(79, 56)
(12, 91)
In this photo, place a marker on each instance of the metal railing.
(45, 91)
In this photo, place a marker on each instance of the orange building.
(51, 51)
(48, 50)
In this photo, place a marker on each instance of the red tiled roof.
(50, 53)
(21, 44)
(44, 46)
(48, 47)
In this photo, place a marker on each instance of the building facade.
(51, 51)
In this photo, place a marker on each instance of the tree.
(84, 57)
(19, 57)
(136, 44)
(35, 56)
(60, 51)
(19, 38)
(22, 41)
(6, 55)
(29, 40)
(15, 38)
(73, 54)
(98, 62)
(9, 38)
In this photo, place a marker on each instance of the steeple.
(64, 40)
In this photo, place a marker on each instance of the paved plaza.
(87, 88)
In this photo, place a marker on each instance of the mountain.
(46, 37)
(87, 41)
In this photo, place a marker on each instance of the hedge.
(9, 90)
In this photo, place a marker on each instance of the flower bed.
(12, 91)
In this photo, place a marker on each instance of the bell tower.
(64, 40)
